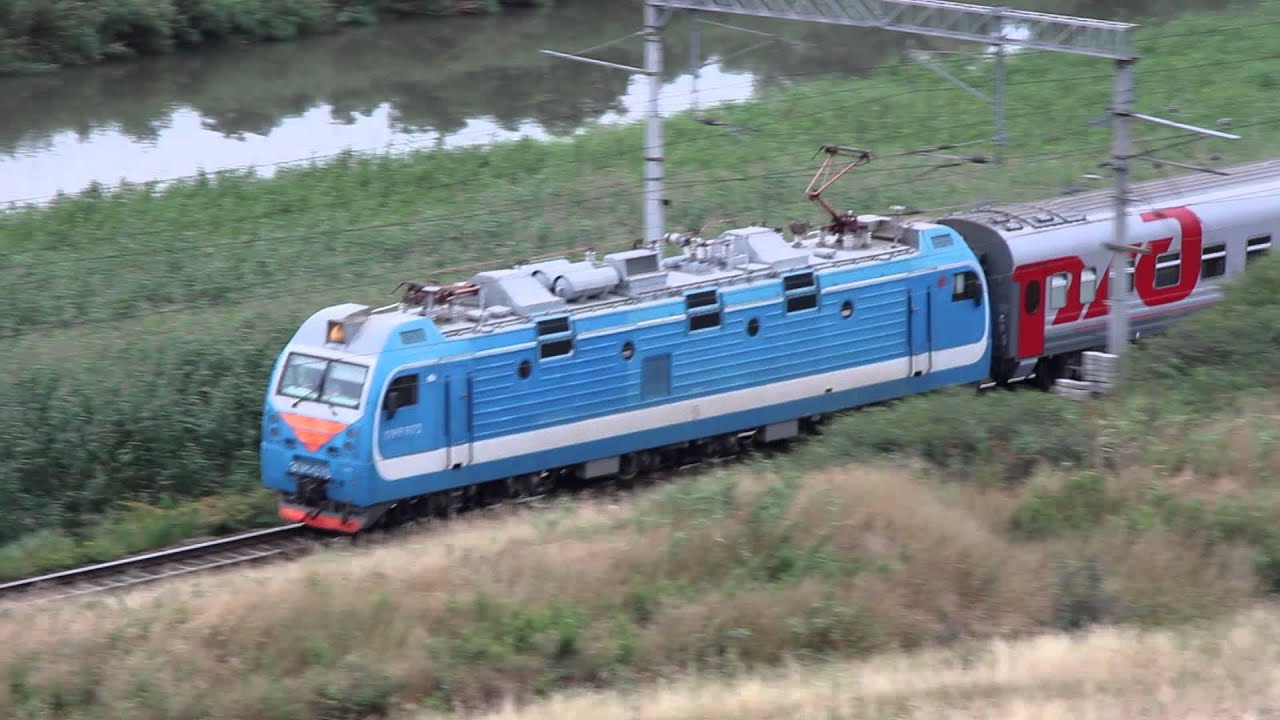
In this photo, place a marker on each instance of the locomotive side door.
(458, 394)
(920, 328)
(403, 430)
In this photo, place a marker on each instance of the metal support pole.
(1122, 108)
(653, 158)
(998, 98)
(695, 54)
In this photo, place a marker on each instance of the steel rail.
(252, 546)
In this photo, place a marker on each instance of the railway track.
(278, 543)
(287, 541)
(244, 548)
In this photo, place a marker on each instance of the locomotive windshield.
(307, 377)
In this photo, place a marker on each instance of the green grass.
(141, 324)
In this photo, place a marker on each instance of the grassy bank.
(1223, 669)
(39, 34)
(724, 574)
(133, 527)
(142, 324)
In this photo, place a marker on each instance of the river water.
(433, 82)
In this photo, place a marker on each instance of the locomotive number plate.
(309, 468)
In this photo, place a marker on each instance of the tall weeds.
(1220, 670)
(716, 575)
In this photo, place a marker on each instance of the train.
(581, 369)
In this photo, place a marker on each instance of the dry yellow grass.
(1223, 670)
(717, 574)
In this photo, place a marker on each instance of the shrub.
(1213, 359)
(362, 690)
(1267, 563)
(997, 437)
(1079, 600)
(1079, 505)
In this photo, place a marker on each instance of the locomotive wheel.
(628, 468)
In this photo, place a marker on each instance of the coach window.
(1088, 285)
(1129, 275)
(1168, 269)
(1058, 284)
(1257, 247)
(1213, 263)
(402, 393)
(1031, 303)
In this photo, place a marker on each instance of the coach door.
(919, 329)
(458, 419)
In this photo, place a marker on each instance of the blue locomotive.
(604, 367)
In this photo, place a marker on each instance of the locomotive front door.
(458, 419)
(919, 329)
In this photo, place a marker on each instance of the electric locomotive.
(589, 367)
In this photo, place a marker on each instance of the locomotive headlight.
(337, 332)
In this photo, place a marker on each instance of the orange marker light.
(337, 333)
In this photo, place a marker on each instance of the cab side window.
(403, 392)
(965, 286)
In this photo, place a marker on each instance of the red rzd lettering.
(1031, 326)
(1144, 275)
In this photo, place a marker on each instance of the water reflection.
(428, 83)
(188, 140)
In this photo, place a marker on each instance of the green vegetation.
(712, 576)
(133, 527)
(37, 34)
(141, 324)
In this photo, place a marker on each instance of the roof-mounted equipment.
(841, 223)
(342, 330)
(431, 294)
